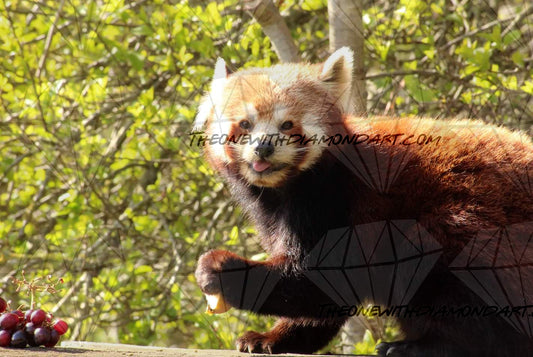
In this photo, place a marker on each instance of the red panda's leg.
(262, 287)
(291, 336)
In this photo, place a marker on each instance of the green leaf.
(136, 60)
(313, 5)
(511, 37)
(518, 58)
(418, 90)
(233, 236)
(142, 269)
(528, 86)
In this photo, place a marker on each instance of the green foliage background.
(98, 183)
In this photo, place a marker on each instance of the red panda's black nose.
(264, 150)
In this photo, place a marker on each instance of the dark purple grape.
(18, 340)
(3, 305)
(54, 339)
(31, 340)
(30, 328)
(8, 321)
(30, 334)
(41, 336)
(38, 316)
(5, 338)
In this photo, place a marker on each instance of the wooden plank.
(96, 349)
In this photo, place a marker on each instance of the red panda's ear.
(336, 75)
(221, 70)
(217, 86)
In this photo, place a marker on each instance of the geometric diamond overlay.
(518, 173)
(498, 266)
(521, 178)
(252, 283)
(384, 262)
(372, 165)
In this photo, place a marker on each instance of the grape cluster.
(33, 327)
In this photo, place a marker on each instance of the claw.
(216, 304)
(239, 346)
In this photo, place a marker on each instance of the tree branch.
(346, 29)
(489, 25)
(521, 16)
(48, 42)
(402, 73)
(272, 23)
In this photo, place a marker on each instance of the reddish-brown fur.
(469, 178)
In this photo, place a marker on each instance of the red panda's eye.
(287, 125)
(245, 124)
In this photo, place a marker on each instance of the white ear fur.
(217, 86)
(204, 110)
(337, 75)
(221, 71)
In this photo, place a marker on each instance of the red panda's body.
(450, 180)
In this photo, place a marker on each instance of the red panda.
(431, 217)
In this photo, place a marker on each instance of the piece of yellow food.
(216, 304)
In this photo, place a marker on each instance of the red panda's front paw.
(255, 342)
(211, 267)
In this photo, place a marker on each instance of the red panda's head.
(261, 121)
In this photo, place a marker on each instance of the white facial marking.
(281, 113)
(251, 112)
(312, 129)
(220, 126)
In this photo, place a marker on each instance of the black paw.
(397, 349)
(211, 268)
(255, 342)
